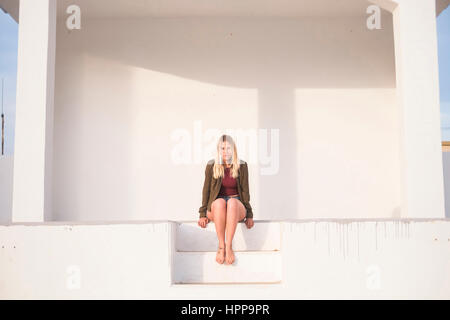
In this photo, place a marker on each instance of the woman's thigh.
(218, 203)
(242, 211)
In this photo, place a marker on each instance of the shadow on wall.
(274, 56)
(6, 188)
(446, 167)
(89, 152)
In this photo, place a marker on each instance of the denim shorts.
(226, 200)
(228, 197)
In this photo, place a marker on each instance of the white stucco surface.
(33, 142)
(126, 87)
(113, 133)
(337, 259)
(140, 98)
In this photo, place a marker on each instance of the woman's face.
(226, 151)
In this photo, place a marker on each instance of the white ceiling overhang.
(208, 8)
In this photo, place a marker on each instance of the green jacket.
(211, 188)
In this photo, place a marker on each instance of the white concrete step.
(263, 236)
(248, 267)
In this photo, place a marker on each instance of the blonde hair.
(218, 169)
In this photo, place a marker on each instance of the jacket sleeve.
(205, 192)
(246, 191)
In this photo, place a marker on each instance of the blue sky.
(8, 67)
(443, 26)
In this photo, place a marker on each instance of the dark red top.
(229, 184)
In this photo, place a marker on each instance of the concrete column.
(34, 111)
(416, 61)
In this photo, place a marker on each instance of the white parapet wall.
(346, 259)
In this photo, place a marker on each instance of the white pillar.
(416, 61)
(34, 111)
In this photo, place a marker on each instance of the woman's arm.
(246, 191)
(205, 192)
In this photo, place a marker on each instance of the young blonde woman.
(226, 197)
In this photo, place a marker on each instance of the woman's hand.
(202, 222)
(249, 223)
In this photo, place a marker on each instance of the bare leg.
(219, 213)
(235, 212)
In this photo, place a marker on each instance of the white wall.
(6, 187)
(123, 87)
(340, 259)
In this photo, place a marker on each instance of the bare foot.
(220, 256)
(230, 255)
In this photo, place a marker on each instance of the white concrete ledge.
(318, 259)
(194, 222)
